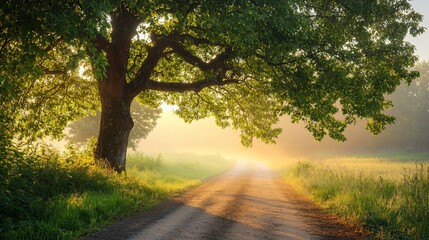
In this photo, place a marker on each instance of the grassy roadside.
(387, 194)
(53, 196)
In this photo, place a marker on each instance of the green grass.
(49, 196)
(387, 194)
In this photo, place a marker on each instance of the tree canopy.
(326, 63)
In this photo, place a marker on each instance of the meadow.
(386, 193)
(50, 195)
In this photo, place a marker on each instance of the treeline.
(411, 109)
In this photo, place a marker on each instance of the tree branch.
(55, 72)
(142, 79)
(196, 40)
(186, 87)
(196, 61)
(6, 42)
(154, 54)
(52, 45)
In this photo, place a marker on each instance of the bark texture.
(115, 127)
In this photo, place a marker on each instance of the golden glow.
(173, 135)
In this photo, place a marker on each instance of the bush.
(29, 181)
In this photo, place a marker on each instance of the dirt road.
(249, 202)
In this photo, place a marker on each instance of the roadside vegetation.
(48, 195)
(388, 194)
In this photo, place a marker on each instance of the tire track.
(227, 216)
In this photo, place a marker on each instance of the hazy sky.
(172, 135)
(422, 42)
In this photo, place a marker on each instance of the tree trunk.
(115, 127)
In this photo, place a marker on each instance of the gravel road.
(249, 202)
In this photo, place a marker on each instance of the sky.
(173, 135)
(422, 41)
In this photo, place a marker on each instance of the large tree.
(245, 62)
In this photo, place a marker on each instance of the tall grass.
(54, 196)
(393, 204)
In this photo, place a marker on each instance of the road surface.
(249, 202)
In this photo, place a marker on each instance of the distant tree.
(145, 118)
(244, 62)
(411, 108)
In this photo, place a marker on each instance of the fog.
(173, 135)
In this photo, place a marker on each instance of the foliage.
(243, 62)
(40, 81)
(32, 180)
(144, 122)
(47, 195)
(378, 193)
